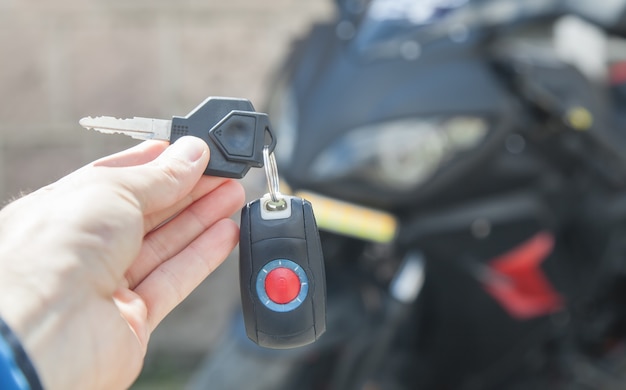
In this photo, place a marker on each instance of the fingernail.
(188, 148)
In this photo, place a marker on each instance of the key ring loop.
(271, 173)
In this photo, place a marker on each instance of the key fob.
(281, 269)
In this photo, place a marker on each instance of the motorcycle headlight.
(399, 154)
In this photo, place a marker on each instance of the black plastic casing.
(297, 239)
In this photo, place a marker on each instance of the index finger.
(139, 154)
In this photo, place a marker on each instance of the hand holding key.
(90, 265)
(283, 289)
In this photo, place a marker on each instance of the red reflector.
(521, 286)
(282, 285)
(617, 73)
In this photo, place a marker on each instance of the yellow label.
(351, 220)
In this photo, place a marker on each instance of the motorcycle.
(467, 166)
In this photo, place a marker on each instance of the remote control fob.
(281, 266)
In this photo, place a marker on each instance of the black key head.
(235, 133)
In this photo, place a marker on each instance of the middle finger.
(205, 185)
(169, 239)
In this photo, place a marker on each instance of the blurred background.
(67, 59)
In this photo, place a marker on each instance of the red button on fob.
(282, 285)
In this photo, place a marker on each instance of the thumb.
(170, 177)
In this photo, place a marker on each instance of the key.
(281, 270)
(235, 133)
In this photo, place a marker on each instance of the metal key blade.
(137, 127)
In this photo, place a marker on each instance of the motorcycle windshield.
(385, 20)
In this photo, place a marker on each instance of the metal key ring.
(271, 173)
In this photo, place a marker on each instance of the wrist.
(38, 312)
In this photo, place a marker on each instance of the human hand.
(91, 264)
